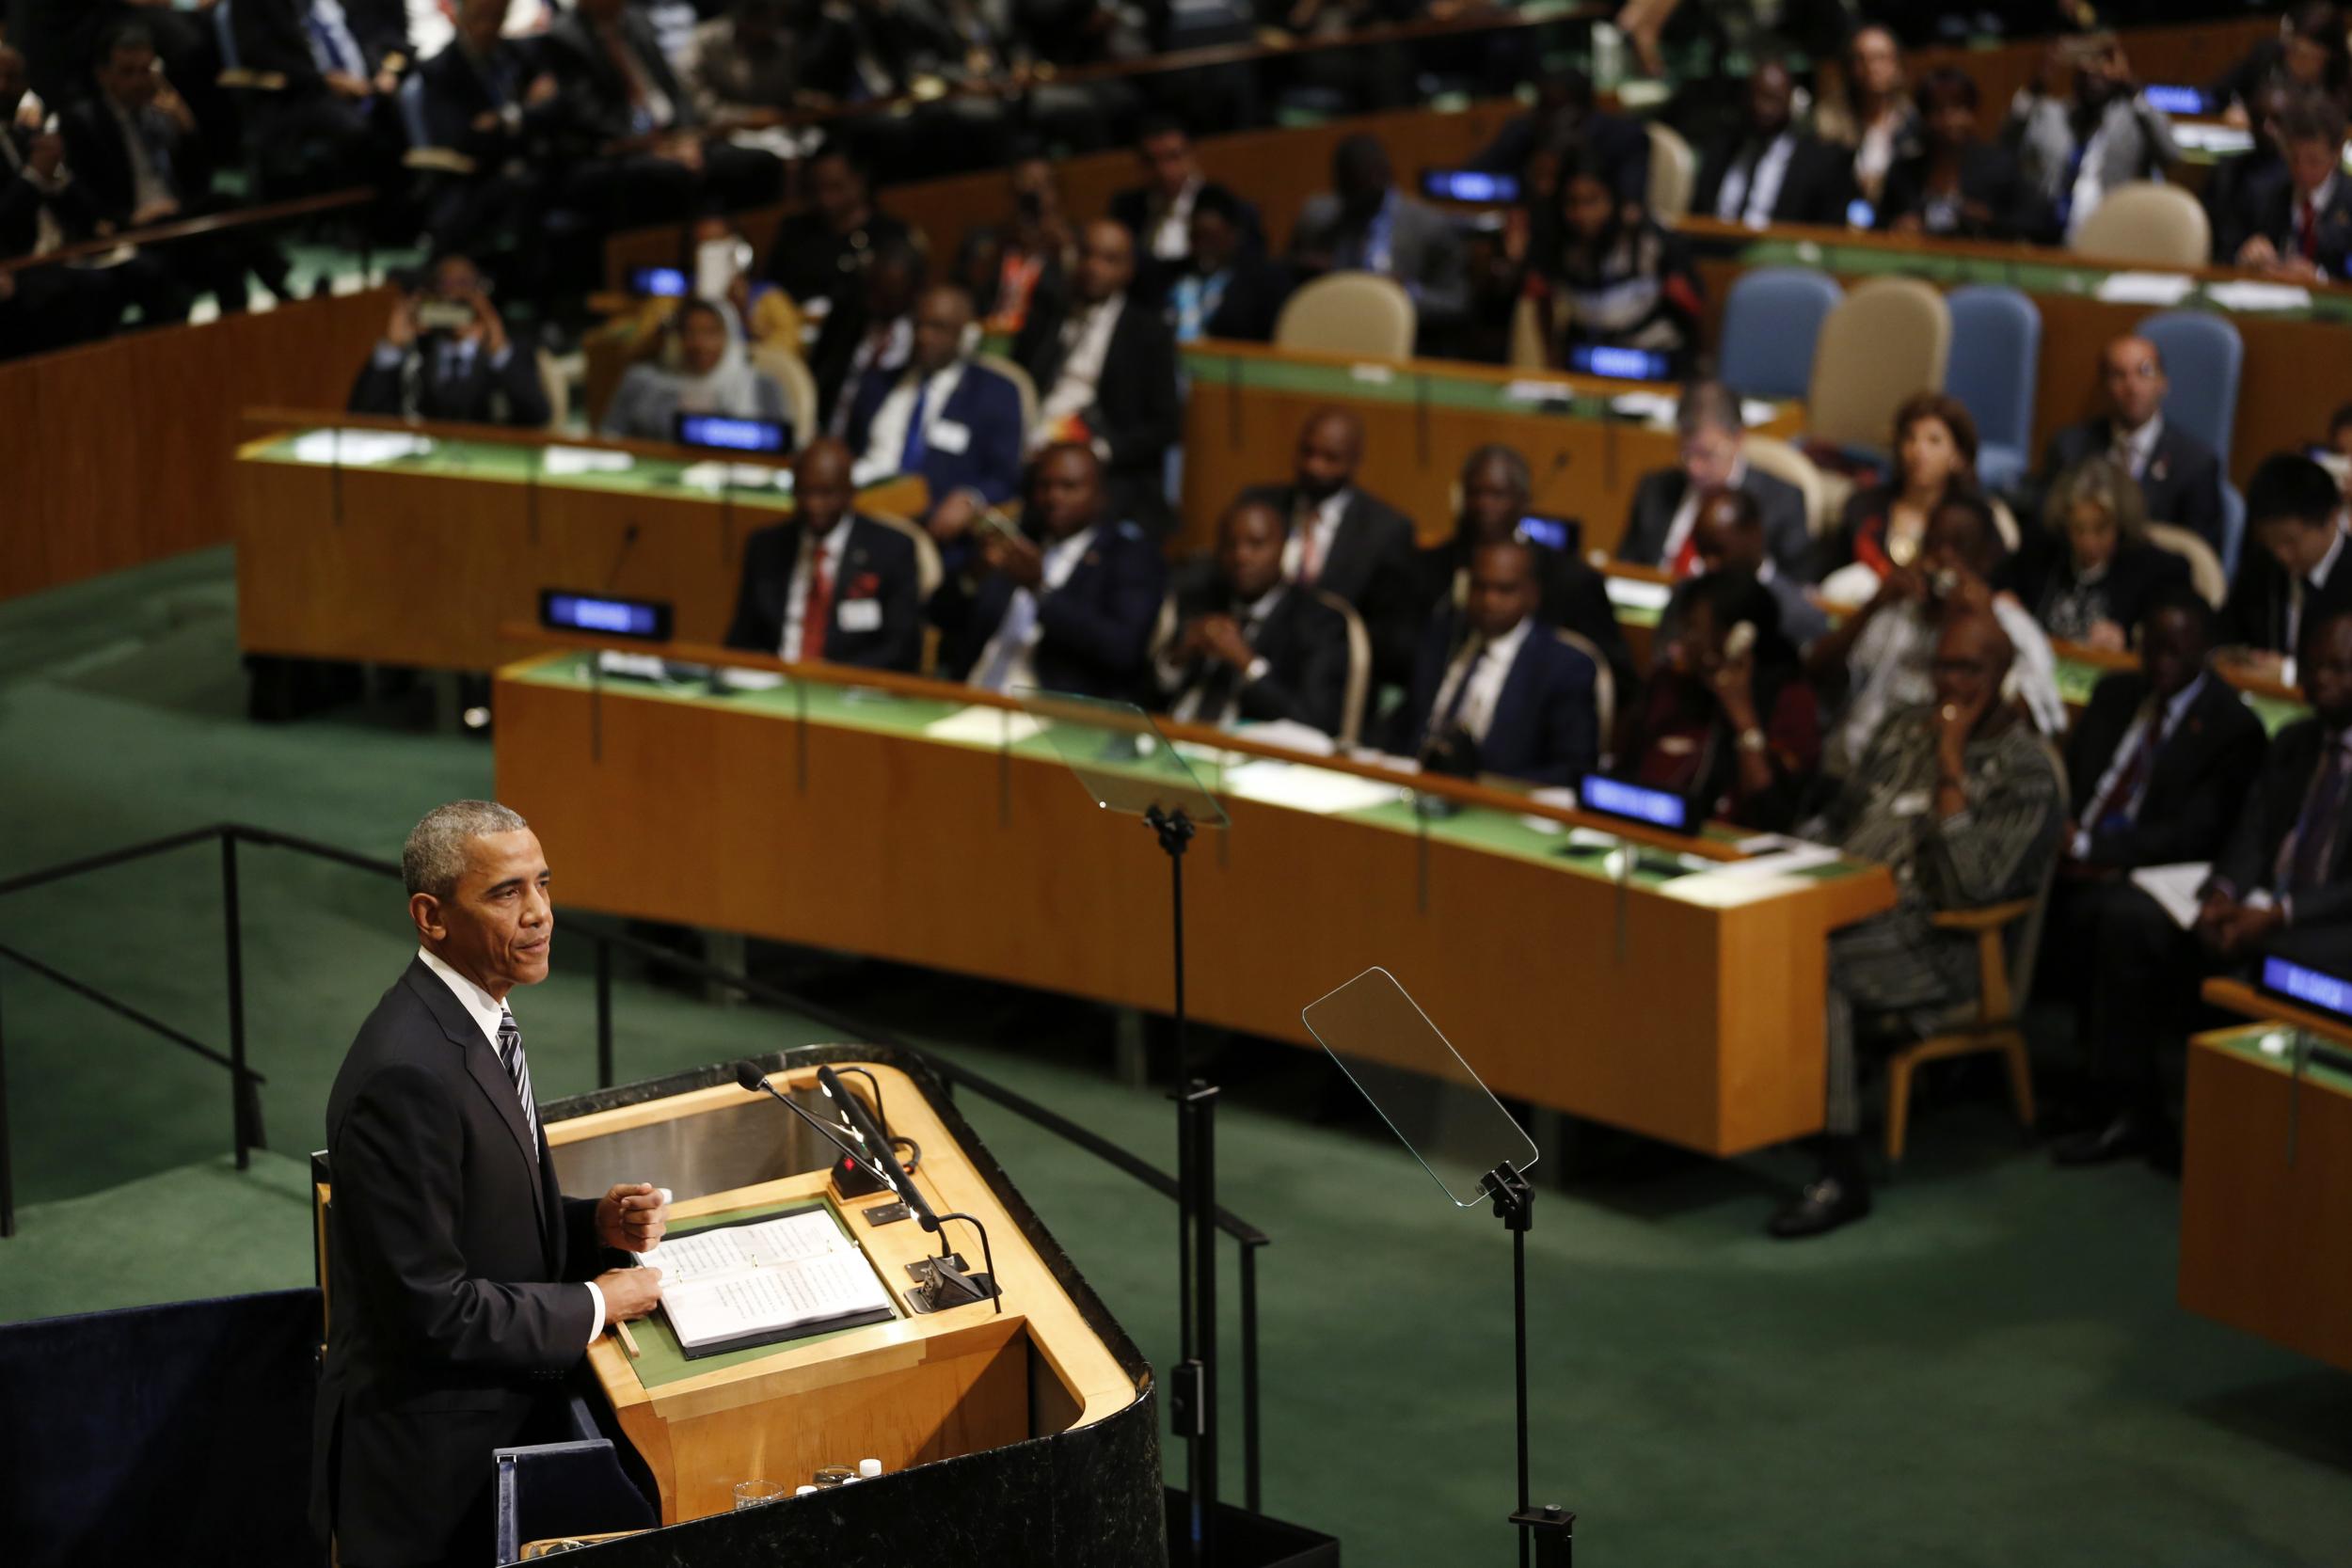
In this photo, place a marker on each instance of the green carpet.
(1992, 1370)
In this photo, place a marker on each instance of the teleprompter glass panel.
(1119, 756)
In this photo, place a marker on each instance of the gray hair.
(1709, 405)
(435, 856)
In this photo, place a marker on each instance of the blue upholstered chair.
(1770, 319)
(1997, 359)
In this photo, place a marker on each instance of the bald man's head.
(1106, 261)
(820, 485)
(2131, 372)
(1331, 444)
(941, 318)
(1972, 658)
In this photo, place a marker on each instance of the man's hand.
(493, 330)
(953, 517)
(154, 212)
(1221, 635)
(1954, 724)
(2107, 635)
(630, 1294)
(632, 1216)
(1735, 689)
(541, 92)
(45, 156)
(401, 330)
(2258, 253)
(1016, 558)
(342, 84)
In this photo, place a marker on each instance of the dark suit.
(2259, 612)
(1136, 412)
(476, 392)
(1989, 179)
(1621, 144)
(2332, 231)
(1371, 565)
(988, 409)
(2043, 572)
(1426, 255)
(53, 308)
(1138, 210)
(1660, 496)
(511, 182)
(454, 1258)
(99, 156)
(2182, 484)
(598, 113)
(2195, 786)
(2247, 861)
(1575, 598)
(2237, 194)
(275, 36)
(1096, 627)
(1545, 727)
(1817, 186)
(878, 564)
(808, 260)
(1254, 291)
(1304, 642)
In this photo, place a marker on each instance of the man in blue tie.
(955, 423)
(447, 355)
(334, 122)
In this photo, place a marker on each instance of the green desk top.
(501, 463)
(2057, 275)
(2273, 1046)
(1495, 832)
(660, 1358)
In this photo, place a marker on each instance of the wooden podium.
(1022, 1434)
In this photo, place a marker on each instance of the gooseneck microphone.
(748, 1074)
(862, 1126)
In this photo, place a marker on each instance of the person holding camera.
(446, 354)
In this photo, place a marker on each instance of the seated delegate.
(2178, 476)
(1883, 524)
(714, 375)
(829, 583)
(1249, 645)
(1613, 277)
(1659, 526)
(1344, 541)
(2292, 569)
(446, 354)
(955, 424)
(2093, 574)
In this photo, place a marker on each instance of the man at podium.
(463, 1285)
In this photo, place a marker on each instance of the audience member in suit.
(139, 155)
(1251, 645)
(474, 374)
(2084, 129)
(2281, 884)
(1158, 212)
(744, 62)
(2303, 231)
(1883, 524)
(1871, 116)
(2239, 189)
(1344, 541)
(955, 423)
(1067, 604)
(1365, 223)
(334, 123)
(61, 41)
(1104, 366)
(2179, 478)
(1954, 184)
(1772, 172)
(869, 332)
(1023, 263)
(489, 98)
(829, 583)
(1493, 691)
(1229, 287)
(2293, 570)
(42, 308)
(2093, 576)
(1884, 652)
(2310, 54)
(468, 1285)
(1733, 729)
(1659, 528)
(1729, 535)
(651, 156)
(818, 253)
(1497, 495)
(714, 375)
(1565, 118)
(1958, 800)
(1604, 275)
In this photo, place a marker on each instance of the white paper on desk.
(2145, 288)
(2245, 294)
(742, 1301)
(562, 462)
(729, 476)
(734, 679)
(1291, 735)
(644, 667)
(700, 1254)
(1539, 391)
(1780, 862)
(1756, 411)
(1637, 592)
(1551, 795)
(1649, 407)
(359, 449)
(2220, 140)
(2174, 887)
(1306, 788)
(984, 726)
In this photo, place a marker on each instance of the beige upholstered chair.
(928, 571)
(1358, 671)
(1674, 169)
(558, 388)
(1886, 340)
(2204, 568)
(1771, 455)
(2147, 223)
(1604, 685)
(1528, 350)
(1361, 315)
(1003, 365)
(800, 387)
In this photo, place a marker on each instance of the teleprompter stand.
(1549, 1530)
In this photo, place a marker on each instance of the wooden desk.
(2267, 1180)
(1687, 1006)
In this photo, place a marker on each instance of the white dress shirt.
(2297, 585)
(1086, 340)
(2125, 749)
(1172, 238)
(1060, 561)
(1685, 515)
(1487, 665)
(485, 1010)
(796, 590)
(1310, 544)
(887, 348)
(1751, 191)
(886, 438)
(2137, 448)
(1250, 617)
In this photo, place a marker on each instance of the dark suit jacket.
(101, 161)
(2137, 575)
(2256, 613)
(878, 564)
(457, 91)
(21, 201)
(1817, 187)
(1304, 642)
(2276, 221)
(275, 35)
(2196, 786)
(1545, 729)
(1620, 143)
(1136, 209)
(906, 39)
(481, 395)
(1426, 252)
(808, 260)
(988, 407)
(596, 94)
(1371, 553)
(1252, 304)
(2237, 193)
(2182, 486)
(1097, 626)
(1575, 598)
(1660, 495)
(2272, 805)
(1136, 412)
(453, 1254)
(1989, 176)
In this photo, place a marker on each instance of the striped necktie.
(510, 1050)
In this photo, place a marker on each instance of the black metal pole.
(1518, 1318)
(240, 1092)
(1249, 1469)
(604, 1014)
(8, 1181)
(1203, 1097)
(1184, 1393)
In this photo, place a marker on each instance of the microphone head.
(830, 1082)
(748, 1074)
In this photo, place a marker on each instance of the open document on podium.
(761, 1281)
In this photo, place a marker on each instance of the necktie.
(1453, 706)
(510, 1048)
(2115, 806)
(911, 457)
(2305, 855)
(332, 45)
(815, 605)
(2306, 230)
(1308, 515)
(1685, 561)
(1012, 636)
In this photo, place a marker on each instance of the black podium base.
(1246, 1540)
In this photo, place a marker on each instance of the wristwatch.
(1751, 740)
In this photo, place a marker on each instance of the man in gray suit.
(2076, 149)
(1661, 530)
(1365, 223)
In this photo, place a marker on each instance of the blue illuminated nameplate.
(1560, 533)
(729, 434)
(2319, 991)
(1618, 364)
(1469, 185)
(1655, 807)
(658, 282)
(2174, 99)
(600, 614)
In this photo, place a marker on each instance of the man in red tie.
(2305, 235)
(828, 584)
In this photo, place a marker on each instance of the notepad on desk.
(761, 1281)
